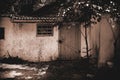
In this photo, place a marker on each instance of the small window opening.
(2, 33)
(44, 30)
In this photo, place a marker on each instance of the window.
(44, 30)
(2, 33)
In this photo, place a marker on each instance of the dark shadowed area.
(56, 70)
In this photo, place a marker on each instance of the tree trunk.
(86, 41)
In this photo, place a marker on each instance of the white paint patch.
(12, 74)
(14, 66)
(28, 77)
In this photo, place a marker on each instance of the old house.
(42, 39)
(30, 38)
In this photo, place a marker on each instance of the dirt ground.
(56, 70)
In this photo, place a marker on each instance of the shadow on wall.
(117, 54)
(12, 60)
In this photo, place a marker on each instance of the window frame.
(44, 34)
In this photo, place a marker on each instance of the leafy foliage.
(89, 11)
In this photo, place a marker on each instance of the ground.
(22, 71)
(55, 70)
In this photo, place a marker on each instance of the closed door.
(69, 42)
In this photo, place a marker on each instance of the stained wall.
(21, 40)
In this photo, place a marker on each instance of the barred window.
(44, 30)
(2, 33)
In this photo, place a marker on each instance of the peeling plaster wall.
(106, 41)
(102, 39)
(21, 40)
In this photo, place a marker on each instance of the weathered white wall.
(106, 41)
(21, 40)
(102, 39)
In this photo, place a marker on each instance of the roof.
(29, 19)
(45, 14)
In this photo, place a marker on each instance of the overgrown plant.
(89, 12)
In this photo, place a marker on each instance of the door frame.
(74, 24)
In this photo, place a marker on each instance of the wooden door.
(68, 42)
